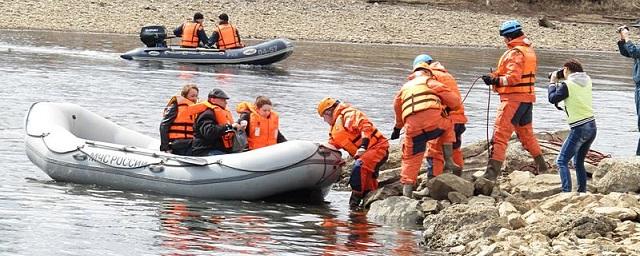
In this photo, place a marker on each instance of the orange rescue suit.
(263, 131)
(182, 126)
(227, 37)
(190, 34)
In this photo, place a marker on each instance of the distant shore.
(337, 21)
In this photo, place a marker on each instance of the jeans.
(576, 146)
(637, 99)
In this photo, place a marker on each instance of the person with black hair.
(631, 50)
(192, 32)
(226, 35)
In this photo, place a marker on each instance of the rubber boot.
(355, 200)
(493, 170)
(407, 190)
(541, 165)
(447, 151)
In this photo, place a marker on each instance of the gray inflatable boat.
(72, 144)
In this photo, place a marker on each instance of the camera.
(621, 28)
(559, 73)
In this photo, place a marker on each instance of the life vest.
(417, 96)
(578, 105)
(227, 37)
(262, 131)
(443, 76)
(223, 117)
(528, 78)
(346, 116)
(182, 126)
(190, 34)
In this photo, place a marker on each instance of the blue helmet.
(509, 27)
(422, 58)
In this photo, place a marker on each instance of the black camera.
(621, 28)
(559, 73)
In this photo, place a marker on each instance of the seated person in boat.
(214, 129)
(263, 123)
(192, 32)
(176, 128)
(226, 35)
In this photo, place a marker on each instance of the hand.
(624, 34)
(359, 153)
(488, 80)
(396, 133)
(554, 77)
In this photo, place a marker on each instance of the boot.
(493, 170)
(447, 151)
(407, 190)
(541, 164)
(355, 200)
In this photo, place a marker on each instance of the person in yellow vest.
(576, 93)
(214, 128)
(176, 128)
(192, 32)
(352, 131)
(262, 123)
(226, 35)
(514, 80)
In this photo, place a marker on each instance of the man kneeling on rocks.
(421, 107)
(352, 131)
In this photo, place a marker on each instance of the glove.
(488, 80)
(396, 133)
(359, 153)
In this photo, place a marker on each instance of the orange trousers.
(435, 151)
(420, 129)
(364, 176)
(513, 116)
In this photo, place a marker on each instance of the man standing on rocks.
(434, 154)
(514, 81)
(628, 49)
(421, 108)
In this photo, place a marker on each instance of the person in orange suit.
(435, 157)
(176, 128)
(514, 81)
(263, 127)
(352, 131)
(421, 108)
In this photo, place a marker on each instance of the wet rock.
(456, 197)
(440, 186)
(619, 175)
(389, 190)
(395, 210)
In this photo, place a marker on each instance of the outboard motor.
(153, 36)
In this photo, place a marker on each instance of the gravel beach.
(336, 20)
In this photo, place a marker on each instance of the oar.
(184, 159)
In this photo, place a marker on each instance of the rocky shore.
(525, 214)
(390, 22)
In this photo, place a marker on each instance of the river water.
(42, 217)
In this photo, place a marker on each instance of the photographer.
(575, 91)
(628, 49)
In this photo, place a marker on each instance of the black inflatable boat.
(154, 38)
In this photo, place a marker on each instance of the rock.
(421, 194)
(481, 200)
(440, 186)
(395, 210)
(483, 186)
(515, 221)
(586, 225)
(506, 208)
(460, 224)
(619, 175)
(544, 22)
(456, 197)
(382, 193)
(487, 250)
(430, 206)
(532, 187)
(616, 213)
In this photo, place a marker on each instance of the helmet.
(422, 58)
(421, 65)
(510, 26)
(325, 104)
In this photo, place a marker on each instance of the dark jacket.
(247, 117)
(207, 134)
(628, 49)
(558, 93)
(202, 35)
(170, 114)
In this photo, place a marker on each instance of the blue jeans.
(576, 146)
(637, 99)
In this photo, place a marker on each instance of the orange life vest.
(417, 96)
(528, 78)
(182, 126)
(443, 76)
(223, 117)
(190, 34)
(350, 141)
(263, 131)
(227, 37)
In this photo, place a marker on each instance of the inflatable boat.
(72, 144)
(156, 49)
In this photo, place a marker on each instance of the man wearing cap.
(628, 49)
(214, 128)
(514, 81)
(226, 35)
(192, 32)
